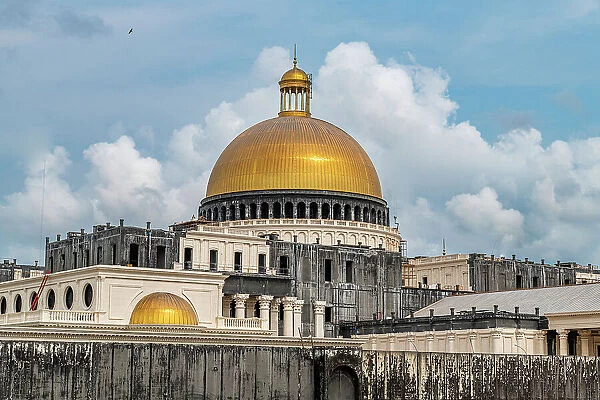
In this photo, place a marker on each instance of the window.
(262, 263)
(187, 258)
(325, 211)
(519, 281)
(276, 210)
(337, 211)
(88, 295)
(3, 305)
(232, 309)
(536, 282)
(328, 314)
(18, 303)
(256, 310)
(62, 262)
(347, 212)
(424, 281)
(349, 268)
(327, 270)
(74, 259)
(253, 211)
(283, 265)
(69, 298)
(33, 302)
(232, 215)
(161, 257)
(114, 254)
(214, 260)
(237, 261)
(51, 299)
(242, 211)
(264, 211)
(289, 210)
(51, 262)
(301, 210)
(134, 249)
(313, 211)
(99, 255)
(86, 257)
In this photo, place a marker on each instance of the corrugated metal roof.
(551, 300)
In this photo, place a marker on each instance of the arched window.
(347, 212)
(232, 212)
(366, 214)
(325, 211)
(215, 214)
(289, 210)
(379, 217)
(33, 301)
(314, 211)
(253, 214)
(373, 216)
(223, 214)
(264, 211)
(301, 210)
(242, 211)
(357, 215)
(337, 211)
(277, 210)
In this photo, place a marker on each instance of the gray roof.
(550, 300)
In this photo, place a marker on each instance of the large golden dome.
(162, 308)
(294, 152)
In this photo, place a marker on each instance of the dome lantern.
(295, 92)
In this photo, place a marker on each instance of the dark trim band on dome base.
(309, 204)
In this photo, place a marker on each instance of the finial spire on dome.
(294, 88)
(295, 59)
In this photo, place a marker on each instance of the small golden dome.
(162, 308)
(294, 153)
(294, 74)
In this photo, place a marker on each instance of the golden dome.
(295, 152)
(162, 308)
(294, 74)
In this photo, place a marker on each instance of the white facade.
(112, 294)
(490, 341)
(327, 232)
(447, 271)
(225, 242)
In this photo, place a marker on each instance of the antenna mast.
(42, 211)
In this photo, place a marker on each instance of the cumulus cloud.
(442, 179)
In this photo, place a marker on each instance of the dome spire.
(295, 91)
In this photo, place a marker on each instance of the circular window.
(51, 299)
(69, 297)
(33, 302)
(88, 295)
(3, 305)
(18, 303)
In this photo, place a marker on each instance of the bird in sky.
(131, 30)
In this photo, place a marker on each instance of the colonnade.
(277, 310)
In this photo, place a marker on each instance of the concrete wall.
(52, 370)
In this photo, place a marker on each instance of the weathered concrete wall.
(50, 370)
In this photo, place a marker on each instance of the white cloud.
(441, 178)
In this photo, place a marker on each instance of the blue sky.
(73, 83)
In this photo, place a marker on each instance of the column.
(497, 342)
(563, 342)
(541, 345)
(288, 316)
(473, 342)
(319, 310)
(264, 303)
(429, 342)
(450, 340)
(584, 338)
(520, 345)
(298, 317)
(240, 305)
(275, 316)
